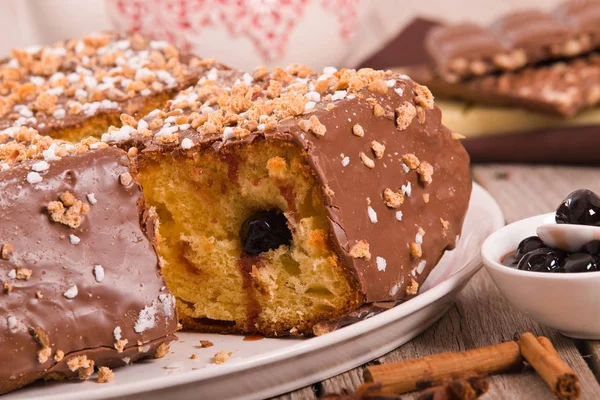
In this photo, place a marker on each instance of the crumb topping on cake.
(45, 86)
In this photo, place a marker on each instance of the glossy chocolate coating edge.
(113, 235)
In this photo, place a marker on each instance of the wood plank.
(481, 315)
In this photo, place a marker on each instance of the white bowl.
(569, 303)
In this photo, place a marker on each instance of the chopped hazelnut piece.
(105, 375)
(358, 130)
(415, 250)
(392, 199)
(59, 355)
(6, 251)
(457, 136)
(360, 250)
(221, 357)
(78, 362)
(67, 199)
(72, 215)
(128, 120)
(41, 337)
(317, 127)
(411, 161)
(162, 350)
(125, 179)
(445, 224)
(378, 111)
(7, 287)
(39, 294)
(44, 354)
(193, 356)
(413, 288)
(366, 160)
(377, 148)
(426, 197)
(120, 345)
(378, 86)
(24, 274)
(425, 171)
(206, 343)
(423, 96)
(405, 115)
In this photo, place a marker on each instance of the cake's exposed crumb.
(206, 343)
(221, 357)
(105, 375)
(277, 167)
(360, 250)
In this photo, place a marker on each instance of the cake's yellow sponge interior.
(202, 198)
(98, 124)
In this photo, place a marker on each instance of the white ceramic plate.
(268, 367)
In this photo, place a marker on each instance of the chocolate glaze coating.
(113, 235)
(348, 189)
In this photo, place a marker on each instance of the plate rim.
(317, 343)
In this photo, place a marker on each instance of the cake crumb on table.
(221, 357)
(105, 375)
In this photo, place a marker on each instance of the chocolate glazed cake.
(80, 280)
(288, 200)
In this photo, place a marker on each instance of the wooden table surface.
(481, 316)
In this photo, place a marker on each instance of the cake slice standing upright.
(289, 199)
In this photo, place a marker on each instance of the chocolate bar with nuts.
(563, 88)
(515, 40)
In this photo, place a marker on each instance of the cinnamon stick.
(547, 344)
(559, 377)
(461, 389)
(421, 373)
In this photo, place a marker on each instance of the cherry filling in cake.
(244, 239)
(264, 231)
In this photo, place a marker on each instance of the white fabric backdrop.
(313, 40)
